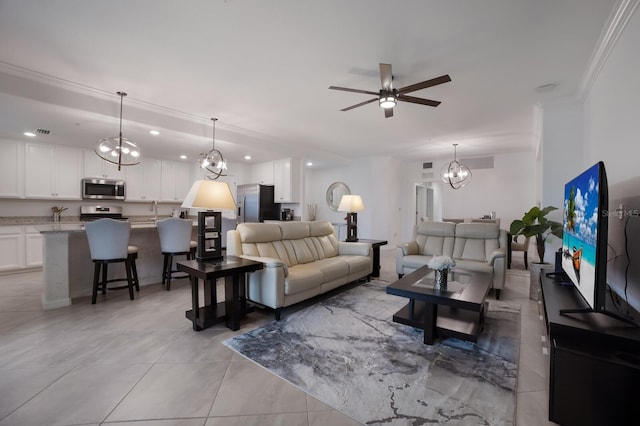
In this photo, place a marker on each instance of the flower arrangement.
(441, 263)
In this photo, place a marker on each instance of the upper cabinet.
(11, 169)
(143, 180)
(286, 180)
(175, 181)
(96, 167)
(262, 173)
(52, 172)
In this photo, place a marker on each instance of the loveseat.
(301, 260)
(473, 246)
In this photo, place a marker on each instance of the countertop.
(74, 224)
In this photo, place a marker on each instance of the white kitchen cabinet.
(143, 180)
(11, 169)
(262, 173)
(96, 167)
(286, 180)
(33, 247)
(175, 181)
(52, 172)
(11, 248)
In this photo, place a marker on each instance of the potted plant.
(534, 223)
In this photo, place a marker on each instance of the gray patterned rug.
(346, 351)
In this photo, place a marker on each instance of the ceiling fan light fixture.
(118, 150)
(387, 99)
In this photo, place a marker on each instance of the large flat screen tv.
(584, 238)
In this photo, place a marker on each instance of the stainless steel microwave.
(103, 189)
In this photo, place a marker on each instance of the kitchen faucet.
(154, 208)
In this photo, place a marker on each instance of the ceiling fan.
(387, 97)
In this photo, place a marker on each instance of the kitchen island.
(67, 264)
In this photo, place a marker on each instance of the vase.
(441, 279)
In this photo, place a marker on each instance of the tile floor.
(123, 362)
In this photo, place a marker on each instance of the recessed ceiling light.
(247, 157)
(184, 157)
(154, 132)
(309, 164)
(30, 134)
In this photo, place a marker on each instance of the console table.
(233, 269)
(594, 374)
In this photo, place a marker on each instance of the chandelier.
(455, 173)
(213, 161)
(118, 150)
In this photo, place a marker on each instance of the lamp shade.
(351, 203)
(208, 194)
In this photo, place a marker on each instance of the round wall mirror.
(334, 194)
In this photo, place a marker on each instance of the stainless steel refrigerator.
(255, 203)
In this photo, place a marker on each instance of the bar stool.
(109, 243)
(175, 240)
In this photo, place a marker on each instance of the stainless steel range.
(99, 212)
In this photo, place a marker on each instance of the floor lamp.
(351, 204)
(209, 195)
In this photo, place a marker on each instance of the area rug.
(347, 352)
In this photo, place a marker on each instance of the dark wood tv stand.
(594, 373)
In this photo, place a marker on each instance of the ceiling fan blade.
(386, 78)
(359, 105)
(346, 89)
(420, 101)
(423, 85)
(388, 112)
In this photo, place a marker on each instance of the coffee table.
(457, 311)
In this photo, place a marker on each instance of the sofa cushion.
(303, 277)
(325, 246)
(320, 228)
(357, 264)
(473, 265)
(415, 261)
(294, 230)
(476, 241)
(332, 268)
(259, 232)
(435, 238)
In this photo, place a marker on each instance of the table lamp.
(209, 195)
(351, 204)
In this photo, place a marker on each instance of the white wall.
(562, 150)
(612, 109)
(377, 180)
(508, 189)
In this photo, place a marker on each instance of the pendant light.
(118, 150)
(455, 173)
(213, 161)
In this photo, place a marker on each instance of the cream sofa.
(301, 260)
(473, 246)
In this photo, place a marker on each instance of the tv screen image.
(584, 233)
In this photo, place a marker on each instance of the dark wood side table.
(376, 254)
(233, 269)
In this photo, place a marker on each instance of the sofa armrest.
(269, 262)
(361, 249)
(410, 248)
(500, 253)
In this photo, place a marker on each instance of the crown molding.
(617, 22)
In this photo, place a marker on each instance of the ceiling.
(264, 68)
